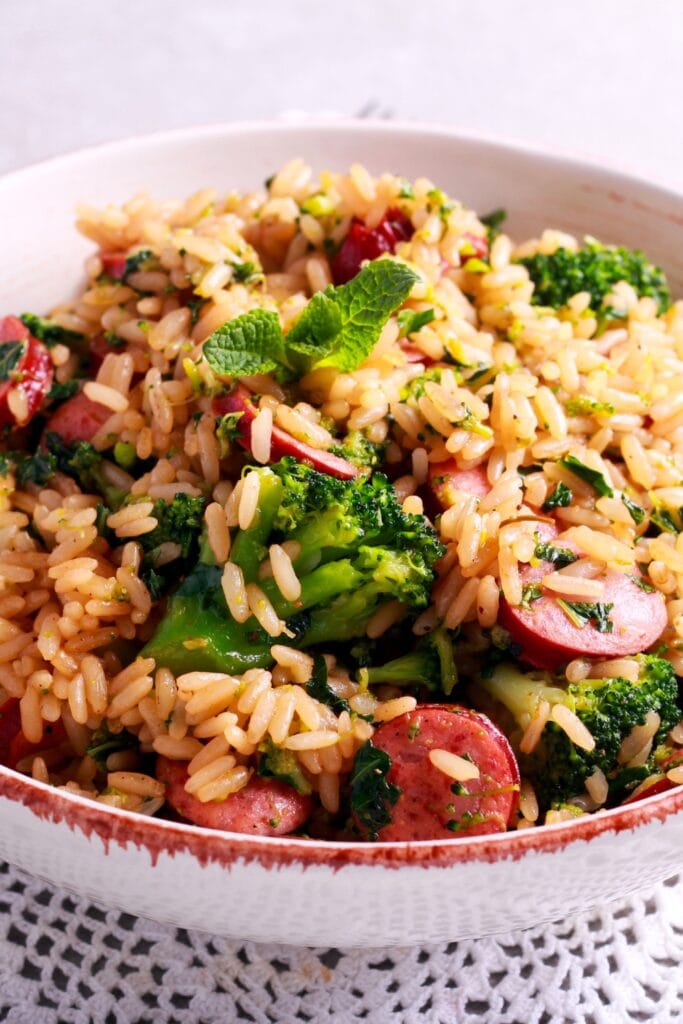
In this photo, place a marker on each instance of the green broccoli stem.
(432, 666)
(345, 618)
(317, 588)
(197, 633)
(250, 546)
(410, 670)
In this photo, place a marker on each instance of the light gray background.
(598, 77)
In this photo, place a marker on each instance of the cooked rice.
(71, 601)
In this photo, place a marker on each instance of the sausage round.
(264, 807)
(431, 804)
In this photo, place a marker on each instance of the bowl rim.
(159, 835)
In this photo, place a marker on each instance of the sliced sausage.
(431, 804)
(78, 419)
(265, 807)
(113, 264)
(14, 746)
(282, 443)
(548, 637)
(10, 725)
(30, 376)
(363, 243)
(445, 478)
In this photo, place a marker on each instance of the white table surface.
(601, 78)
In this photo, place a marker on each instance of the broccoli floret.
(87, 467)
(609, 708)
(596, 269)
(180, 522)
(430, 665)
(356, 448)
(357, 551)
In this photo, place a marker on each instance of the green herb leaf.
(560, 497)
(315, 332)
(10, 355)
(530, 592)
(371, 794)
(583, 612)
(591, 476)
(249, 344)
(663, 519)
(410, 322)
(494, 221)
(34, 469)
(136, 262)
(642, 583)
(244, 271)
(59, 392)
(559, 557)
(319, 688)
(636, 512)
(50, 333)
(365, 303)
(103, 743)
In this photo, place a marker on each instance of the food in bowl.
(327, 510)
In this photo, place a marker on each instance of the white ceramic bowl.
(290, 890)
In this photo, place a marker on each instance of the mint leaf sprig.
(339, 327)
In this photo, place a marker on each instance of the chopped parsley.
(319, 688)
(581, 613)
(636, 512)
(560, 497)
(410, 322)
(371, 794)
(493, 222)
(559, 557)
(10, 356)
(589, 475)
(59, 392)
(641, 582)
(584, 405)
(530, 592)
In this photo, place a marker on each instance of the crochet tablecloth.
(65, 960)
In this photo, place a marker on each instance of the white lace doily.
(64, 960)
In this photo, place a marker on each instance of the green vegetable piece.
(371, 794)
(636, 512)
(315, 333)
(365, 304)
(319, 688)
(591, 476)
(249, 344)
(663, 519)
(430, 665)
(530, 592)
(318, 206)
(410, 321)
(59, 392)
(245, 271)
(609, 708)
(283, 765)
(52, 334)
(595, 268)
(560, 497)
(493, 222)
(10, 356)
(580, 613)
(136, 261)
(642, 583)
(584, 405)
(103, 743)
(125, 454)
(559, 557)
(34, 469)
